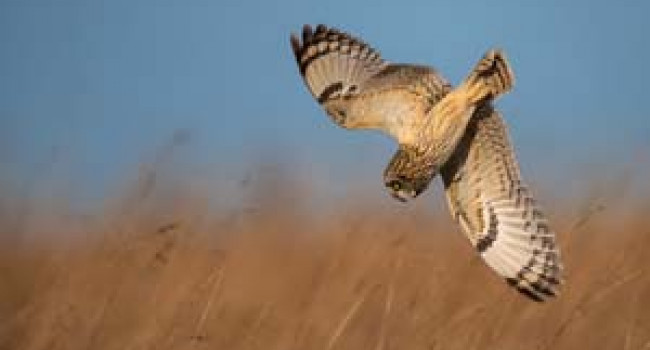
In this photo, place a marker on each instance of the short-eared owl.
(452, 131)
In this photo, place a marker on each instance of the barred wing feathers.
(496, 210)
(333, 63)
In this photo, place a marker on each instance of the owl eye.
(395, 185)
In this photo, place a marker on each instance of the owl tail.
(491, 78)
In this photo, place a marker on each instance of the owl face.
(403, 188)
(406, 176)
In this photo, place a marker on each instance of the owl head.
(408, 175)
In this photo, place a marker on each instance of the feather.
(513, 237)
(327, 56)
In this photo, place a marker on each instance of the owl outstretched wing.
(359, 90)
(332, 63)
(496, 210)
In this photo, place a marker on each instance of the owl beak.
(403, 195)
(397, 195)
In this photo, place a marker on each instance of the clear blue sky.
(102, 84)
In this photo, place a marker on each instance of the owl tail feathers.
(490, 78)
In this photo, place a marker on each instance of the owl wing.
(496, 210)
(333, 63)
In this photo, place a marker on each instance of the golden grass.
(156, 272)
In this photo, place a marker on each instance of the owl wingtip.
(295, 44)
(307, 33)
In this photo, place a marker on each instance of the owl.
(453, 132)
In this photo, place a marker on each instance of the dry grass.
(170, 272)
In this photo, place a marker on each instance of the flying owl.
(454, 132)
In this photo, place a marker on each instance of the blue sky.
(101, 85)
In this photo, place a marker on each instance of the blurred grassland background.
(161, 265)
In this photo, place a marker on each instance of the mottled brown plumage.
(439, 129)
